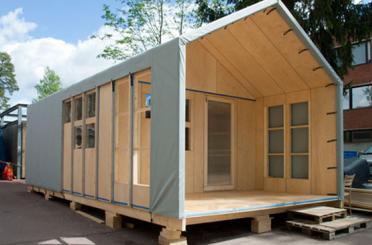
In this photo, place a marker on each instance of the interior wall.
(105, 142)
(324, 139)
(209, 75)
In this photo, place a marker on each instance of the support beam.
(169, 236)
(75, 206)
(261, 224)
(113, 220)
(47, 195)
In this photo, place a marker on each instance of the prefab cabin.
(240, 118)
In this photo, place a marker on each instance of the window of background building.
(361, 53)
(357, 97)
(358, 136)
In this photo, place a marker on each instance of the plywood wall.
(105, 142)
(324, 140)
(67, 151)
(205, 73)
(243, 143)
(122, 140)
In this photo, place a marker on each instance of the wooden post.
(261, 224)
(113, 220)
(170, 236)
(47, 195)
(30, 189)
(75, 206)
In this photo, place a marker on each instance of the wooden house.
(239, 118)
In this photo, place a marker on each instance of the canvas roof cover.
(262, 44)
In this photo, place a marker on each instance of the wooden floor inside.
(225, 202)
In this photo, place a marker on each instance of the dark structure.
(13, 126)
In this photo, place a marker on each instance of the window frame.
(268, 129)
(367, 47)
(350, 95)
(290, 132)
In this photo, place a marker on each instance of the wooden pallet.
(318, 215)
(331, 229)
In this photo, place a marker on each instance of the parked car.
(367, 155)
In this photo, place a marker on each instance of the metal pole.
(19, 142)
(340, 142)
(131, 77)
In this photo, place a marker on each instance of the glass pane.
(219, 143)
(362, 96)
(359, 54)
(91, 105)
(67, 111)
(276, 141)
(299, 114)
(187, 139)
(300, 140)
(300, 169)
(78, 137)
(276, 116)
(90, 136)
(346, 100)
(78, 109)
(187, 110)
(276, 166)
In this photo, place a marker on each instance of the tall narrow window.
(188, 124)
(300, 140)
(78, 137)
(91, 105)
(67, 112)
(78, 109)
(90, 134)
(276, 142)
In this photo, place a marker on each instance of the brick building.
(358, 100)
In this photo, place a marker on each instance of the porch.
(224, 205)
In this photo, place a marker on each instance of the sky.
(40, 33)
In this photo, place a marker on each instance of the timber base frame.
(172, 228)
(171, 233)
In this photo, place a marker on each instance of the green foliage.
(8, 83)
(142, 24)
(49, 84)
(329, 23)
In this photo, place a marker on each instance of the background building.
(358, 99)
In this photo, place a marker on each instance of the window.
(300, 140)
(187, 139)
(78, 108)
(346, 100)
(187, 110)
(361, 53)
(67, 111)
(91, 105)
(357, 97)
(147, 100)
(90, 134)
(362, 96)
(78, 137)
(187, 131)
(276, 141)
(357, 136)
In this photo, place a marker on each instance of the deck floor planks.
(240, 200)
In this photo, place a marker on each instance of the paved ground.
(26, 218)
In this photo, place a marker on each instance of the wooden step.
(332, 229)
(319, 214)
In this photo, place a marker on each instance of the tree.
(8, 82)
(329, 23)
(49, 84)
(142, 24)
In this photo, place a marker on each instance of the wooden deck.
(224, 205)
